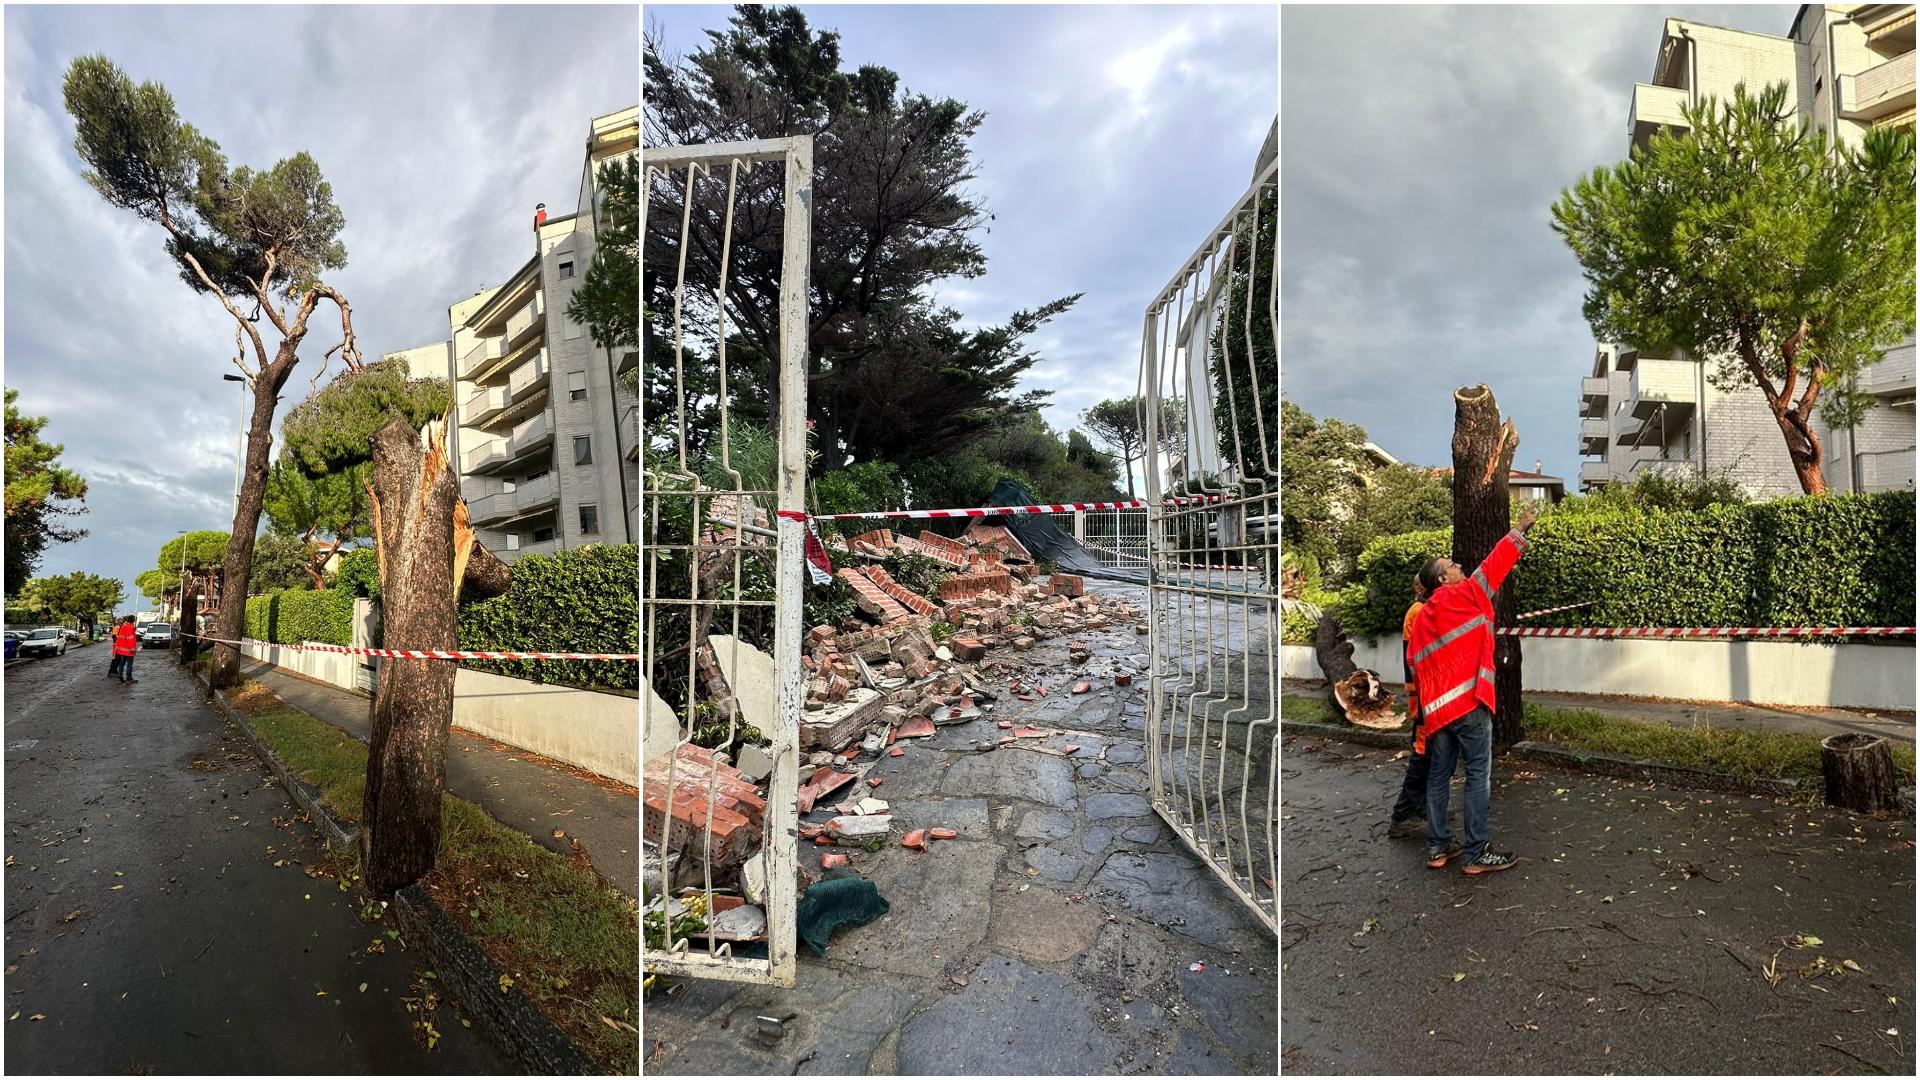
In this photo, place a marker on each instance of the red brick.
(1066, 585)
(967, 649)
(955, 550)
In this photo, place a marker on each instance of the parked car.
(158, 633)
(70, 634)
(13, 643)
(44, 642)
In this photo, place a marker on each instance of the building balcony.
(1655, 107)
(525, 500)
(530, 376)
(484, 407)
(544, 547)
(1891, 376)
(1593, 396)
(524, 323)
(532, 435)
(1881, 90)
(1659, 384)
(1594, 431)
(1887, 472)
(629, 360)
(525, 391)
(1595, 474)
(477, 363)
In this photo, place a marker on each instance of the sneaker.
(1408, 828)
(1439, 859)
(1489, 862)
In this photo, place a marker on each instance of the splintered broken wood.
(1358, 693)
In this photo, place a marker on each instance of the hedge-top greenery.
(1840, 560)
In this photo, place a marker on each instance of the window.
(541, 536)
(532, 476)
(583, 449)
(566, 269)
(590, 520)
(513, 541)
(576, 386)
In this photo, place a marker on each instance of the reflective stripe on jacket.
(1450, 646)
(125, 640)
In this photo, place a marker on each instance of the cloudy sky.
(439, 128)
(1115, 138)
(1421, 149)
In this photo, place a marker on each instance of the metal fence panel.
(722, 593)
(1210, 404)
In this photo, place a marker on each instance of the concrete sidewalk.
(1727, 716)
(517, 789)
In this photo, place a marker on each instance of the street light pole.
(240, 442)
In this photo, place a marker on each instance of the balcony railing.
(522, 323)
(1889, 376)
(1887, 471)
(529, 436)
(487, 456)
(527, 498)
(1655, 107)
(1662, 382)
(1886, 87)
(1595, 473)
(484, 406)
(485, 351)
(1593, 435)
(1593, 396)
(530, 375)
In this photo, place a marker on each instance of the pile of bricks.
(981, 535)
(738, 809)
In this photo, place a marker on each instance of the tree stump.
(1482, 460)
(1357, 692)
(1860, 775)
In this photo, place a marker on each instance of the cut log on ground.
(1357, 692)
(1860, 774)
(1482, 459)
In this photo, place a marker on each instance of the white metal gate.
(1210, 371)
(722, 587)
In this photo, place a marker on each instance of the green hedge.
(296, 615)
(1836, 560)
(584, 600)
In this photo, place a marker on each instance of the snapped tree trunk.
(1859, 773)
(1483, 450)
(425, 549)
(237, 567)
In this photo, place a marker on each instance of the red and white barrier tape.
(992, 511)
(432, 654)
(1704, 631)
(1552, 610)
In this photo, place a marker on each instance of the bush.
(1297, 626)
(583, 600)
(870, 485)
(358, 572)
(1835, 560)
(292, 616)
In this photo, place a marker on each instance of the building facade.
(546, 439)
(1848, 68)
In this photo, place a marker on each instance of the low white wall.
(336, 669)
(598, 732)
(594, 731)
(1763, 672)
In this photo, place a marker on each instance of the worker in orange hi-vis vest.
(1450, 646)
(1410, 811)
(126, 642)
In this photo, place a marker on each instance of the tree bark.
(1357, 692)
(189, 629)
(1483, 449)
(1859, 773)
(1803, 449)
(238, 564)
(423, 547)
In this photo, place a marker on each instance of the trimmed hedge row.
(1834, 560)
(584, 600)
(292, 616)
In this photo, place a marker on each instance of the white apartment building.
(1848, 68)
(547, 436)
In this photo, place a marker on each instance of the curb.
(509, 1020)
(1587, 760)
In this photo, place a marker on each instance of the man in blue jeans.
(1450, 645)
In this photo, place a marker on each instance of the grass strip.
(1775, 755)
(560, 934)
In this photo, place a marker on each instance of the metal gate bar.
(1213, 600)
(705, 527)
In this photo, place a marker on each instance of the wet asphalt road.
(1633, 939)
(145, 918)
